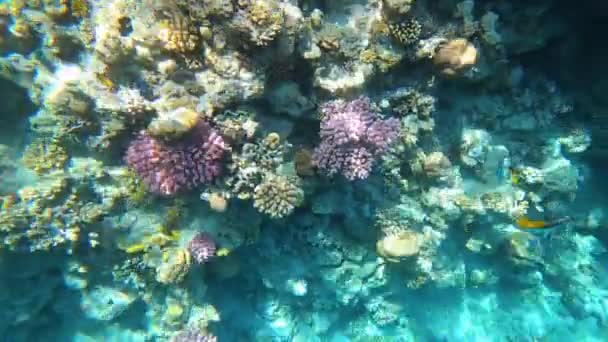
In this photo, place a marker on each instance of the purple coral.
(352, 137)
(202, 247)
(169, 167)
(193, 336)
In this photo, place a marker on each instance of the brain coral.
(167, 167)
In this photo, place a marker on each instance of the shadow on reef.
(579, 65)
(16, 106)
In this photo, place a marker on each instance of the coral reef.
(265, 170)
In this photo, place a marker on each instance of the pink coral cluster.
(202, 247)
(352, 137)
(169, 167)
(190, 335)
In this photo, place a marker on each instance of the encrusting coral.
(455, 56)
(400, 245)
(352, 136)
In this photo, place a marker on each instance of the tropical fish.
(514, 175)
(524, 223)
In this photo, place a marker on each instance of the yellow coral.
(218, 202)
(455, 56)
(179, 35)
(174, 124)
(406, 243)
(267, 19)
(175, 269)
(44, 155)
(272, 141)
(79, 8)
(16, 7)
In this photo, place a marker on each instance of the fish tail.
(558, 221)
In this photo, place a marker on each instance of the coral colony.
(168, 167)
(352, 137)
(280, 170)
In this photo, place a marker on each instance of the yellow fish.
(527, 224)
(514, 176)
(222, 252)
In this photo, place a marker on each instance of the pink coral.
(169, 167)
(352, 137)
(190, 335)
(202, 247)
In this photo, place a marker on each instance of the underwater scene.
(303, 170)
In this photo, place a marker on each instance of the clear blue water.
(269, 170)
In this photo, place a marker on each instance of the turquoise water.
(267, 170)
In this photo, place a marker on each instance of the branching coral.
(352, 137)
(255, 159)
(202, 247)
(170, 167)
(277, 196)
(179, 34)
(42, 156)
(193, 336)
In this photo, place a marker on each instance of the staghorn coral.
(170, 167)
(277, 196)
(352, 137)
(202, 247)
